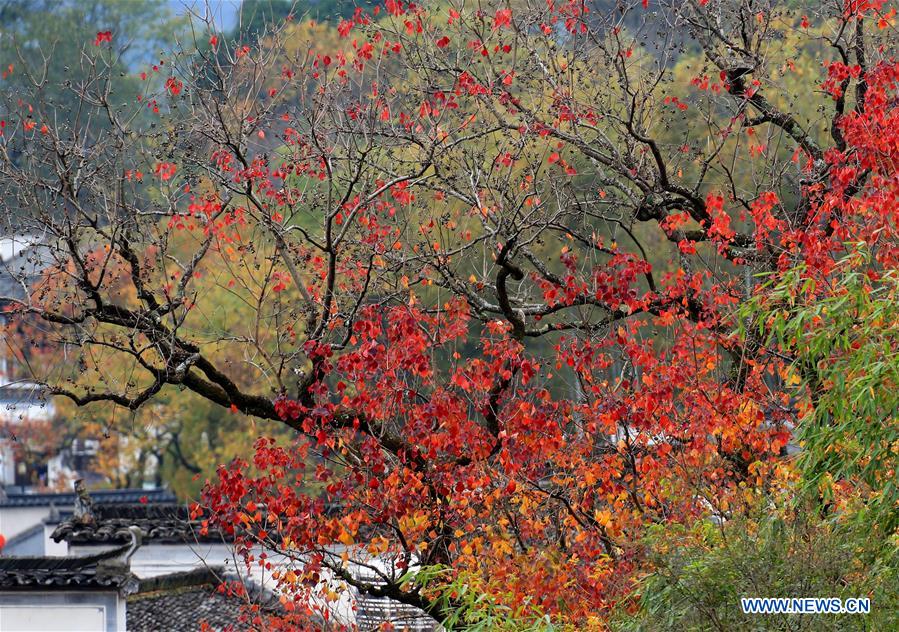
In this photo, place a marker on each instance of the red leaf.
(502, 18)
(103, 36)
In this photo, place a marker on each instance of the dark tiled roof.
(182, 609)
(371, 611)
(101, 497)
(104, 570)
(159, 524)
(183, 601)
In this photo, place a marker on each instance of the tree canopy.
(498, 293)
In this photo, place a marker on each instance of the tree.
(42, 41)
(840, 327)
(829, 526)
(41, 45)
(437, 244)
(700, 574)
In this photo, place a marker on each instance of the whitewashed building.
(171, 578)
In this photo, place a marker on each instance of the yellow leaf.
(603, 517)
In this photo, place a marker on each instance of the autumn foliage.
(488, 266)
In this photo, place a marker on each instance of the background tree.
(42, 42)
(440, 245)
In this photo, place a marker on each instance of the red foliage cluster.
(489, 458)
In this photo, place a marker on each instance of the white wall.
(152, 560)
(51, 546)
(7, 464)
(82, 611)
(15, 520)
